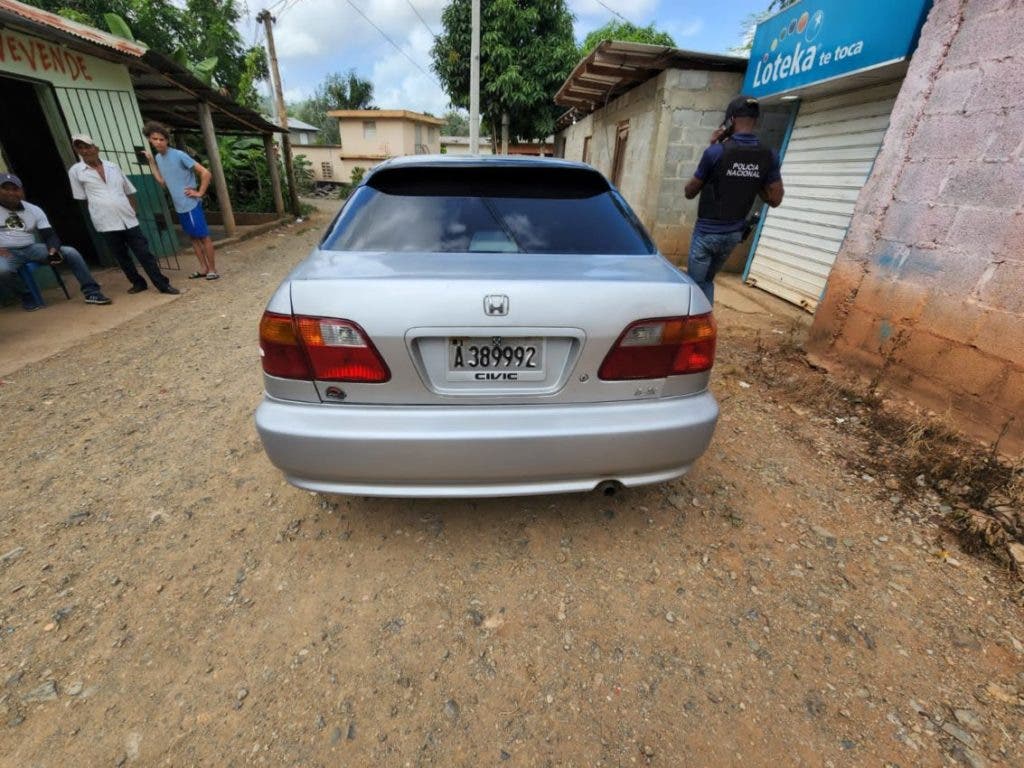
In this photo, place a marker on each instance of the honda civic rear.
(485, 327)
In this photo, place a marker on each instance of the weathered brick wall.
(928, 288)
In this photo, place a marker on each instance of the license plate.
(495, 359)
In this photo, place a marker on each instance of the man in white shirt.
(112, 208)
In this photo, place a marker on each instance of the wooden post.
(267, 20)
(220, 183)
(474, 78)
(275, 174)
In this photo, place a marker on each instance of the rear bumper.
(450, 451)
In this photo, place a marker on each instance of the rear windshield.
(474, 210)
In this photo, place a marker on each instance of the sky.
(317, 37)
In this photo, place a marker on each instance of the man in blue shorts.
(176, 171)
(733, 172)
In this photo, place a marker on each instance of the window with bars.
(326, 170)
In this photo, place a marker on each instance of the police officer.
(732, 173)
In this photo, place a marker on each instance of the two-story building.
(369, 136)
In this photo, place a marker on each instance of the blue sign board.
(816, 40)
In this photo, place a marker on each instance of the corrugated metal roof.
(73, 28)
(615, 67)
(298, 125)
(170, 93)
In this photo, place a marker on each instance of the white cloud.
(314, 27)
(685, 29)
(397, 84)
(291, 42)
(317, 37)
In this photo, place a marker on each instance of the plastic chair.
(27, 274)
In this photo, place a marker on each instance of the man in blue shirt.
(733, 172)
(176, 171)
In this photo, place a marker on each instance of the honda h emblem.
(495, 305)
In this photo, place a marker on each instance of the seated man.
(19, 224)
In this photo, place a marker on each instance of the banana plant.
(118, 26)
(202, 70)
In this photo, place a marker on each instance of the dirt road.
(165, 599)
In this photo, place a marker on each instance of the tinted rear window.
(488, 210)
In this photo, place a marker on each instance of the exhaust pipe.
(608, 487)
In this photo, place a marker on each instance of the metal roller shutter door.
(830, 154)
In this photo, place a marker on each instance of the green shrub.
(305, 181)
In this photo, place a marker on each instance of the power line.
(257, 35)
(424, 21)
(612, 10)
(289, 4)
(396, 45)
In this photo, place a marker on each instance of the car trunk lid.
(490, 327)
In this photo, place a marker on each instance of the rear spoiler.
(490, 181)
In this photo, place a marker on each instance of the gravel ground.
(165, 599)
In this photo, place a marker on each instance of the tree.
(456, 123)
(201, 35)
(348, 91)
(526, 52)
(214, 35)
(255, 68)
(623, 30)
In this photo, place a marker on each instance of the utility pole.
(474, 82)
(282, 116)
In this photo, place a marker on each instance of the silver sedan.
(485, 327)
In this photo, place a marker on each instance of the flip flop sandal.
(196, 275)
(212, 276)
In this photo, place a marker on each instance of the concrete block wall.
(693, 106)
(671, 118)
(640, 107)
(928, 287)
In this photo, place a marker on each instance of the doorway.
(31, 153)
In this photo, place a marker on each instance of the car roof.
(478, 161)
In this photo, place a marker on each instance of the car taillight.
(280, 351)
(665, 346)
(321, 348)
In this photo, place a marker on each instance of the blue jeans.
(39, 252)
(707, 255)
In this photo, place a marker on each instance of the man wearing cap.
(733, 172)
(20, 222)
(113, 210)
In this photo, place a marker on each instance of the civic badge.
(496, 305)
